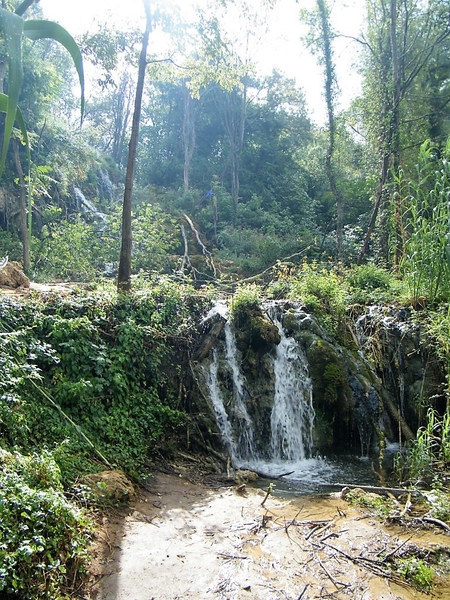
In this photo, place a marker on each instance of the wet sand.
(183, 540)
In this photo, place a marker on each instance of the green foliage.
(14, 27)
(78, 250)
(69, 251)
(103, 374)
(380, 506)
(428, 451)
(416, 572)
(371, 284)
(323, 292)
(10, 245)
(43, 536)
(246, 298)
(426, 266)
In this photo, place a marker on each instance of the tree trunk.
(124, 274)
(23, 208)
(188, 134)
(330, 81)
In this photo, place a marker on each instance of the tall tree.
(322, 43)
(402, 38)
(124, 273)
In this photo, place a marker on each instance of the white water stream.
(292, 414)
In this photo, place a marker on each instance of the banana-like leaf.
(18, 117)
(12, 27)
(39, 29)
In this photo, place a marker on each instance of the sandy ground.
(183, 540)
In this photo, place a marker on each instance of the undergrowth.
(89, 381)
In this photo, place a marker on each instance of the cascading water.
(292, 413)
(263, 368)
(243, 424)
(223, 423)
(278, 437)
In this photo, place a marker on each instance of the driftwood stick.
(437, 522)
(407, 506)
(287, 524)
(267, 476)
(303, 592)
(370, 488)
(385, 558)
(334, 581)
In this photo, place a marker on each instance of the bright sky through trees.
(282, 49)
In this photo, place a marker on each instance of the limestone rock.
(12, 276)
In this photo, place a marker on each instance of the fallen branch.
(437, 522)
(370, 488)
(334, 581)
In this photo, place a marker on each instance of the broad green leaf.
(39, 29)
(18, 118)
(12, 27)
(21, 123)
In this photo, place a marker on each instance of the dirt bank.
(183, 540)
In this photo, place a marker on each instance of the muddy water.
(185, 541)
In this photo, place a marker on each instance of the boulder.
(12, 275)
(110, 487)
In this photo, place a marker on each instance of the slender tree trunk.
(121, 118)
(124, 274)
(188, 134)
(330, 81)
(379, 196)
(23, 208)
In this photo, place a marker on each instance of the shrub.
(246, 297)
(369, 283)
(43, 536)
(324, 292)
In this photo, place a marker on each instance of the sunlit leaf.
(12, 28)
(18, 118)
(39, 29)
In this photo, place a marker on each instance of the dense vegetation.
(233, 181)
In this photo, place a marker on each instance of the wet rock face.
(254, 330)
(361, 394)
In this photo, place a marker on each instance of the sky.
(283, 50)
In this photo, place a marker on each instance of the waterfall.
(292, 414)
(219, 408)
(243, 424)
(86, 206)
(280, 429)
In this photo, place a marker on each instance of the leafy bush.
(416, 572)
(246, 297)
(430, 449)
(323, 292)
(104, 373)
(79, 251)
(43, 536)
(369, 283)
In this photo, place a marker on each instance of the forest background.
(233, 180)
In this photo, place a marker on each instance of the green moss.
(329, 375)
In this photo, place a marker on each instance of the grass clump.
(379, 506)
(246, 298)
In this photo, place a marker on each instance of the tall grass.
(426, 263)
